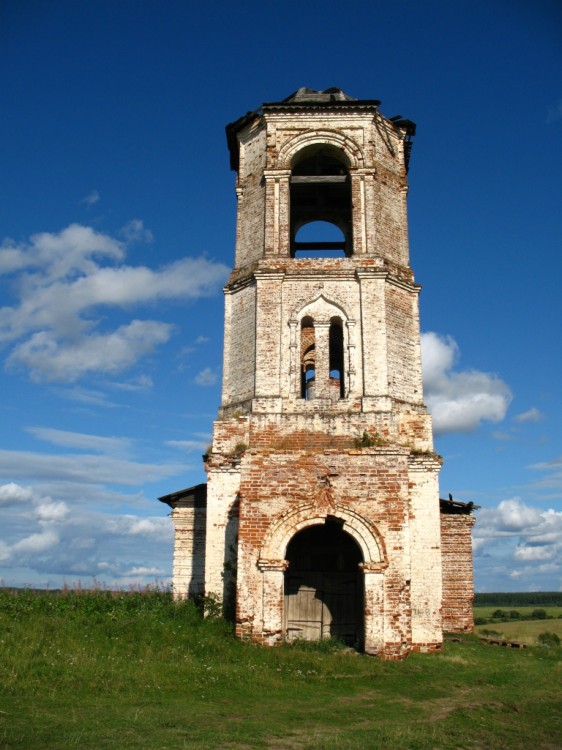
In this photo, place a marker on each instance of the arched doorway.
(324, 595)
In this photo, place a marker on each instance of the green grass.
(138, 671)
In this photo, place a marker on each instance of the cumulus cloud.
(62, 281)
(35, 544)
(13, 494)
(526, 538)
(51, 511)
(82, 543)
(459, 400)
(510, 516)
(48, 358)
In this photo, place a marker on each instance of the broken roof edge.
(301, 99)
(198, 493)
(456, 507)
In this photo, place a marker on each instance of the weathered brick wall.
(371, 482)
(402, 331)
(251, 197)
(378, 181)
(458, 577)
(189, 549)
(239, 361)
(274, 454)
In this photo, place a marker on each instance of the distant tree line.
(520, 599)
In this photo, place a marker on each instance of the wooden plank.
(318, 179)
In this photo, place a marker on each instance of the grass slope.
(138, 671)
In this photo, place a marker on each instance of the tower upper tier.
(321, 158)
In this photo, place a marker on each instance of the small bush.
(514, 614)
(548, 639)
(498, 614)
(480, 620)
(538, 614)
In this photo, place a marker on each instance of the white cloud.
(156, 528)
(48, 358)
(531, 415)
(206, 377)
(139, 383)
(526, 553)
(12, 494)
(189, 445)
(91, 199)
(81, 440)
(85, 543)
(554, 464)
(135, 231)
(459, 401)
(510, 516)
(525, 542)
(84, 468)
(62, 279)
(140, 571)
(549, 486)
(52, 511)
(87, 396)
(35, 544)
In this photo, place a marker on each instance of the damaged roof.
(304, 98)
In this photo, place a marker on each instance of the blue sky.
(117, 213)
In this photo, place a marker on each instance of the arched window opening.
(324, 596)
(336, 365)
(319, 239)
(308, 358)
(321, 192)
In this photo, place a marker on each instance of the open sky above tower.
(117, 228)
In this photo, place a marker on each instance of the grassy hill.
(135, 671)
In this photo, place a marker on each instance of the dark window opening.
(321, 193)
(336, 364)
(308, 359)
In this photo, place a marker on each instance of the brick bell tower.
(321, 512)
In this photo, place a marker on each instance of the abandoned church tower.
(321, 513)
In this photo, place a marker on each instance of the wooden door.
(323, 587)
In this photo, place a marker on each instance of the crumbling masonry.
(321, 513)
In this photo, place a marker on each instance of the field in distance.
(524, 617)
